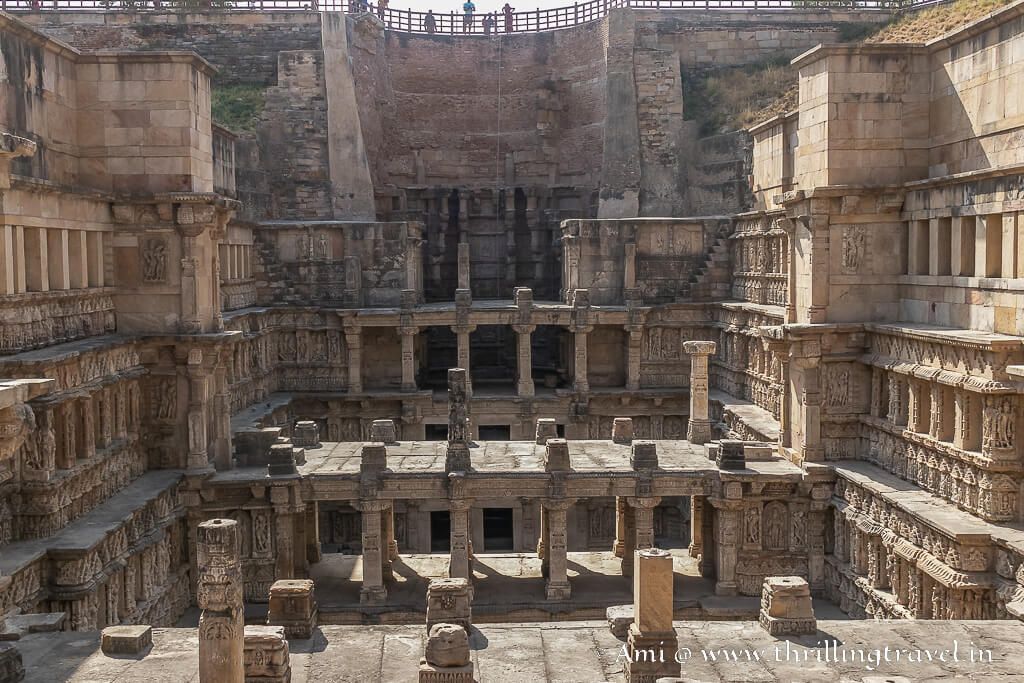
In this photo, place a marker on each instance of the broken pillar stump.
(266, 655)
(446, 656)
(786, 607)
(293, 607)
(449, 601)
(125, 640)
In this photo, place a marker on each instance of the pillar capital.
(524, 329)
(463, 329)
(557, 503)
(700, 348)
(409, 331)
(644, 503)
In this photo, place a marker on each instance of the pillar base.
(641, 668)
(525, 389)
(698, 431)
(619, 548)
(392, 550)
(557, 591)
(626, 565)
(726, 588)
(695, 550)
(373, 595)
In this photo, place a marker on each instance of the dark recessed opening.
(435, 432)
(440, 531)
(495, 432)
(498, 534)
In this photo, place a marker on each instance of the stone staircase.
(273, 285)
(711, 279)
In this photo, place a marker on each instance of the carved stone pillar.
(728, 520)
(462, 333)
(633, 355)
(581, 383)
(557, 587)
(457, 458)
(696, 526)
(197, 402)
(699, 429)
(221, 622)
(106, 432)
(222, 420)
(525, 359)
(459, 565)
(87, 408)
(388, 523)
(643, 520)
(897, 412)
(408, 357)
(628, 538)
(373, 591)
(281, 497)
(966, 433)
(620, 527)
(354, 346)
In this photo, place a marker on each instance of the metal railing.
(457, 22)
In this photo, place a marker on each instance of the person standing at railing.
(467, 15)
(489, 20)
(429, 23)
(510, 20)
(382, 6)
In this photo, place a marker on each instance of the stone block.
(126, 640)
(644, 455)
(38, 622)
(556, 456)
(786, 608)
(373, 457)
(652, 590)
(306, 434)
(293, 607)
(447, 645)
(731, 455)
(11, 668)
(547, 428)
(429, 673)
(282, 460)
(383, 431)
(620, 618)
(449, 601)
(622, 430)
(266, 655)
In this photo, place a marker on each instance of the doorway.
(495, 432)
(435, 432)
(440, 531)
(498, 530)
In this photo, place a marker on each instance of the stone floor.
(578, 652)
(510, 588)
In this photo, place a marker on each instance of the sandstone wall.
(242, 45)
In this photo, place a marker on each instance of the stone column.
(696, 526)
(388, 522)
(651, 630)
(198, 391)
(643, 520)
(628, 538)
(525, 359)
(699, 429)
(727, 521)
(409, 357)
(373, 591)
(459, 565)
(88, 410)
(580, 382)
(354, 345)
(618, 548)
(219, 596)
(463, 264)
(919, 408)
(633, 354)
(556, 559)
(457, 457)
(462, 333)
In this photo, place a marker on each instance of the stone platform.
(564, 652)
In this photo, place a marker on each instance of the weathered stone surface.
(449, 601)
(293, 607)
(267, 657)
(786, 607)
(620, 617)
(126, 640)
(447, 646)
(11, 668)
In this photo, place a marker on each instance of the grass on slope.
(237, 107)
(735, 98)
